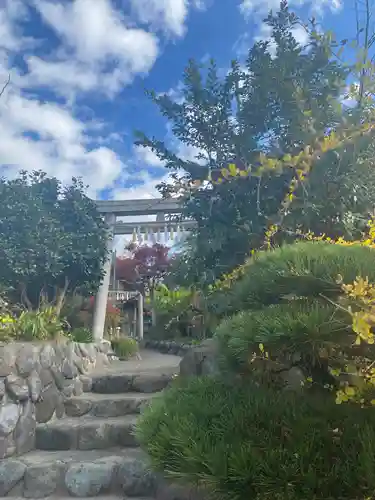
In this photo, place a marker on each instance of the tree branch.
(5, 86)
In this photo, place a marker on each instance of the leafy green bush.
(125, 347)
(82, 334)
(246, 442)
(42, 324)
(180, 313)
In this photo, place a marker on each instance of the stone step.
(106, 405)
(84, 474)
(86, 433)
(118, 383)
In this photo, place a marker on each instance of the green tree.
(285, 97)
(53, 240)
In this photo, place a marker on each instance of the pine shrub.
(245, 442)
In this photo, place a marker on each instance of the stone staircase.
(91, 451)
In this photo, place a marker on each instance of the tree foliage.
(145, 267)
(277, 104)
(53, 240)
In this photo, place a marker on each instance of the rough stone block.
(24, 433)
(112, 384)
(56, 437)
(149, 383)
(49, 400)
(41, 481)
(11, 472)
(9, 415)
(135, 479)
(95, 435)
(89, 479)
(17, 387)
(77, 407)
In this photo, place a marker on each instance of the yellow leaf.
(372, 402)
(350, 391)
(261, 347)
(232, 169)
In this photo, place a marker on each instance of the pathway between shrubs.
(92, 451)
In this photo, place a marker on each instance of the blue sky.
(79, 68)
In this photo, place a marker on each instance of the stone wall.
(35, 380)
(168, 346)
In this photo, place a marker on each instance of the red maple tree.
(145, 267)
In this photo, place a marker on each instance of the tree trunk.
(60, 297)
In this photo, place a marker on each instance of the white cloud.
(44, 136)
(96, 50)
(100, 50)
(165, 15)
(299, 33)
(147, 156)
(262, 7)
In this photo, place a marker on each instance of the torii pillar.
(101, 298)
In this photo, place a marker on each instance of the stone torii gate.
(111, 209)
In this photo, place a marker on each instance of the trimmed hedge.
(306, 269)
(245, 442)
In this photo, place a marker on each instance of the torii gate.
(111, 209)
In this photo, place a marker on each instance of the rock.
(136, 480)
(105, 346)
(77, 350)
(7, 446)
(26, 359)
(294, 379)
(200, 360)
(46, 377)
(9, 415)
(80, 365)
(69, 370)
(53, 438)
(91, 352)
(77, 407)
(49, 400)
(96, 436)
(41, 481)
(7, 360)
(2, 388)
(115, 407)
(68, 388)
(17, 387)
(24, 433)
(112, 384)
(88, 479)
(35, 386)
(47, 356)
(123, 435)
(58, 377)
(174, 348)
(149, 383)
(11, 472)
(77, 387)
(102, 359)
(83, 350)
(86, 383)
